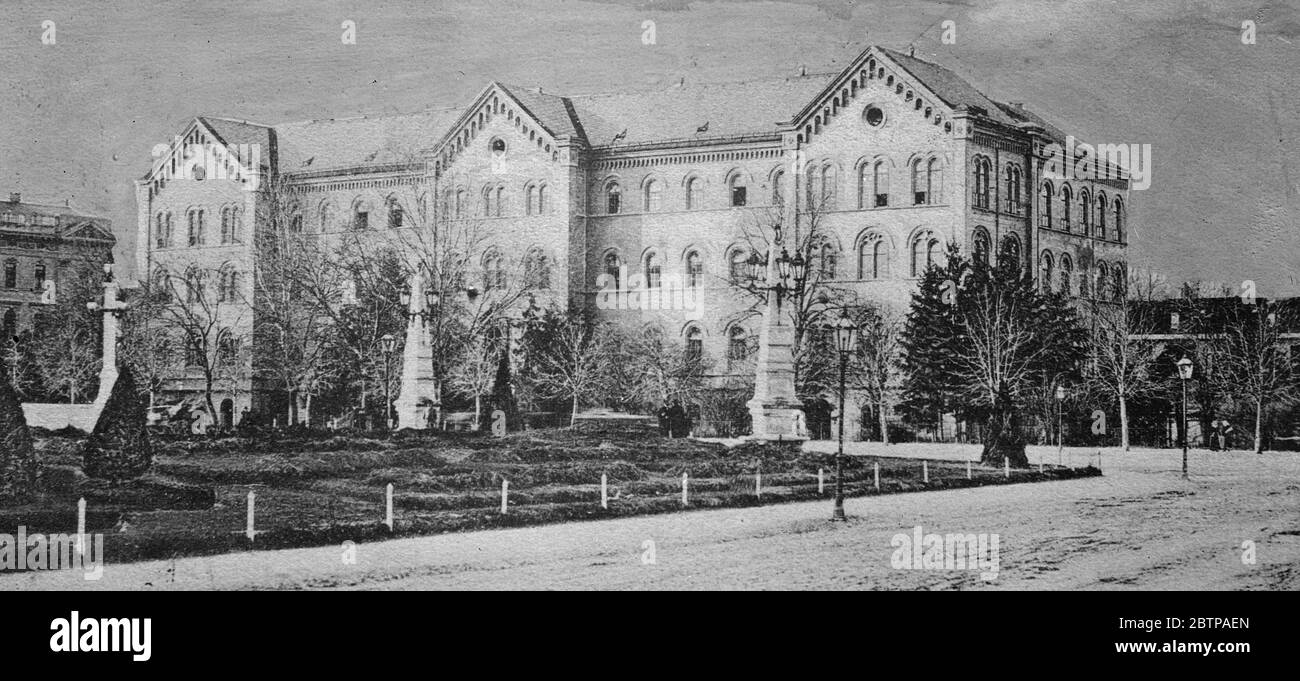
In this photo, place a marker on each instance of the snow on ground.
(1139, 527)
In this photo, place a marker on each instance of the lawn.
(326, 490)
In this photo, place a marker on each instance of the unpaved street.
(1138, 527)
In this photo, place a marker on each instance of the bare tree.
(204, 311)
(574, 363)
(1252, 358)
(474, 375)
(1123, 350)
(875, 366)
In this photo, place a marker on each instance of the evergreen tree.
(119, 448)
(17, 455)
(929, 343)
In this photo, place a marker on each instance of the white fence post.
(505, 495)
(925, 472)
(758, 484)
(81, 526)
(876, 467)
(1006, 467)
(249, 531)
(604, 491)
(821, 481)
(684, 501)
(388, 507)
(968, 469)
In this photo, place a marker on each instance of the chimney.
(911, 50)
(681, 81)
(803, 70)
(15, 197)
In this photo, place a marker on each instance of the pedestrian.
(676, 420)
(662, 415)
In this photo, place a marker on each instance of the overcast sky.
(78, 118)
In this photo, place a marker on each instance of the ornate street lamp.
(846, 341)
(1185, 375)
(388, 344)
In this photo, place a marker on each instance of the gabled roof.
(956, 91)
(555, 113)
(232, 133)
(753, 107)
(367, 140)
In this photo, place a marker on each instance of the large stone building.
(41, 245)
(894, 155)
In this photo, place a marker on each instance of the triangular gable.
(88, 230)
(549, 120)
(845, 89)
(200, 152)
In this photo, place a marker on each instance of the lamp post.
(1185, 375)
(388, 344)
(846, 338)
(1060, 400)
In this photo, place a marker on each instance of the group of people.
(674, 421)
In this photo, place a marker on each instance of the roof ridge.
(671, 87)
(370, 117)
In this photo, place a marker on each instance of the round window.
(874, 116)
(498, 146)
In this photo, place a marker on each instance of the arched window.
(1118, 289)
(537, 271)
(737, 344)
(654, 271)
(1011, 248)
(738, 190)
(160, 236)
(462, 197)
(1102, 288)
(693, 193)
(530, 200)
(38, 276)
(613, 198)
(1085, 280)
(1045, 267)
(1067, 275)
(542, 206)
(1067, 201)
(920, 193)
(227, 286)
(1015, 193)
(827, 258)
(196, 227)
(494, 271)
(1045, 197)
(227, 348)
(1119, 219)
(326, 218)
(873, 259)
(361, 216)
(1101, 216)
(8, 325)
(982, 171)
(295, 224)
(694, 344)
(827, 187)
(934, 181)
(395, 215)
(654, 191)
(694, 269)
(1085, 211)
(229, 225)
(981, 246)
(614, 268)
(925, 252)
(11, 274)
(880, 183)
(738, 265)
(778, 188)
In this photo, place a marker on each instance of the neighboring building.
(897, 155)
(39, 246)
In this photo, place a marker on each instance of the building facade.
(40, 245)
(888, 160)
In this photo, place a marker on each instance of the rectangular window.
(11, 275)
(918, 198)
(882, 200)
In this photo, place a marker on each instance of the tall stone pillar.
(775, 410)
(417, 397)
(112, 309)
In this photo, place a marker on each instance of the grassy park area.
(320, 490)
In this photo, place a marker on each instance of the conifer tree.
(119, 448)
(17, 455)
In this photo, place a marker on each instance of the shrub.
(119, 448)
(17, 455)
